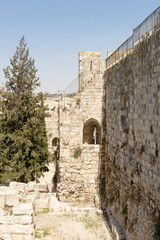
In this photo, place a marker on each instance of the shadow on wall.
(55, 147)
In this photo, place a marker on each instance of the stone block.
(17, 237)
(42, 203)
(52, 201)
(31, 198)
(23, 209)
(20, 229)
(31, 186)
(28, 237)
(2, 199)
(23, 219)
(21, 187)
(6, 219)
(3, 229)
(42, 195)
(51, 187)
(13, 184)
(12, 198)
(2, 212)
(41, 187)
(5, 237)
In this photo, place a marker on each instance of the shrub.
(124, 211)
(77, 152)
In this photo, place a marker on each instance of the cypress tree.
(23, 140)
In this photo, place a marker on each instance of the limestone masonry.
(106, 142)
(107, 137)
(131, 120)
(72, 124)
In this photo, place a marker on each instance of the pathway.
(70, 222)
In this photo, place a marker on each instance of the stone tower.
(79, 125)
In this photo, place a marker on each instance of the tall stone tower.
(80, 133)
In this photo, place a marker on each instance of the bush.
(77, 152)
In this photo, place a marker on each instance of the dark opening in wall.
(55, 142)
(90, 65)
(92, 132)
(124, 111)
(55, 147)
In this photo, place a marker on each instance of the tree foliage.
(23, 140)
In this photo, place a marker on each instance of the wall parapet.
(144, 30)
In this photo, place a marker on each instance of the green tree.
(23, 140)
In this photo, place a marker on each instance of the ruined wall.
(19, 203)
(78, 176)
(131, 140)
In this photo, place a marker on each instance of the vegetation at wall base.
(23, 140)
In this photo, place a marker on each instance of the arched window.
(92, 132)
(55, 142)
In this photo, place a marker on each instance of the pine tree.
(23, 140)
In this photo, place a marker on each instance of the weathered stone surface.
(2, 198)
(18, 237)
(3, 229)
(5, 237)
(27, 237)
(23, 219)
(21, 187)
(41, 187)
(131, 137)
(23, 209)
(6, 219)
(42, 203)
(12, 198)
(74, 112)
(2, 212)
(20, 229)
(31, 186)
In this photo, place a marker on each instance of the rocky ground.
(70, 222)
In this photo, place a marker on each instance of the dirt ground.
(71, 222)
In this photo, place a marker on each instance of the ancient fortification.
(106, 136)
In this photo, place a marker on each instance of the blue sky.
(56, 30)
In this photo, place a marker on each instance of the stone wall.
(51, 103)
(78, 176)
(18, 205)
(124, 157)
(131, 139)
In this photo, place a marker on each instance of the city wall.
(78, 116)
(131, 140)
(119, 170)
